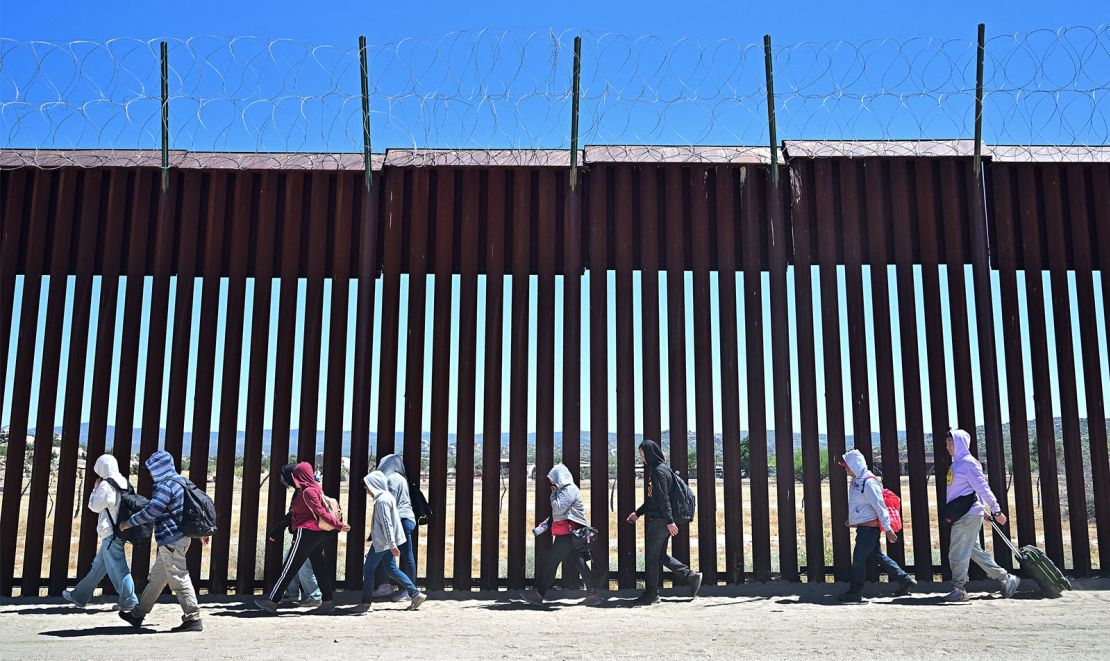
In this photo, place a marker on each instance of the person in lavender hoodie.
(967, 487)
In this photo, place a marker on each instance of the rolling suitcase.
(1038, 566)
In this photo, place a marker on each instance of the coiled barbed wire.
(504, 97)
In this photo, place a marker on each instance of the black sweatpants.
(656, 557)
(307, 545)
(563, 546)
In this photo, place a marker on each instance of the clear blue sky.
(339, 23)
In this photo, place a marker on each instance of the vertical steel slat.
(396, 214)
(624, 235)
(599, 378)
(649, 190)
(572, 350)
(545, 353)
(13, 189)
(952, 228)
(675, 192)
(848, 209)
(519, 222)
(189, 230)
(318, 216)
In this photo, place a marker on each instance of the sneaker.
(594, 599)
(265, 605)
(850, 597)
(136, 622)
(533, 597)
(325, 608)
(695, 584)
(957, 594)
(363, 608)
(68, 596)
(908, 584)
(401, 596)
(417, 599)
(188, 625)
(311, 603)
(647, 599)
(1010, 585)
(384, 590)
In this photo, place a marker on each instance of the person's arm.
(157, 507)
(280, 527)
(874, 491)
(100, 498)
(317, 507)
(661, 494)
(982, 488)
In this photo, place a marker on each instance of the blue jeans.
(407, 560)
(303, 582)
(109, 560)
(867, 549)
(373, 559)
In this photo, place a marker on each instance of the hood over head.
(653, 453)
(107, 468)
(854, 459)
(560, 476)
(303, 476)
(287, 474)
(961, 442)
(160, 465)
(391, 464)
(377, 482)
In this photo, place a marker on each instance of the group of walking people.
(304, 579)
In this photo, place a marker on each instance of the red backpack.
(893, 507)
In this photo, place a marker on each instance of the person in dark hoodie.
(969, 501)
(386, 537)
(303, 590)
(393, 468)
(567, 525)
(307, 510)
(166, 510)
(658, 478)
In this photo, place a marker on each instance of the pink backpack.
(893, 507)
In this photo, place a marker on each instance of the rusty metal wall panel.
(727, 221)
(703, 376)
(188, 241)
(397, 187)
(648, 210)
(520, 228)
(624, 236)
(57, 265)
(1055, 216)
(14, 189)
(1029, 188)
(315, 235)
(88, 224)
(676, 206)
(827, 235)
(366, 270)
(599, 382)
(1081, 240)
(442, 224)
(1003, 204)
(545, 352)
(467, 231)
(291, 221)
(497, 207)
(572, 352)
(266, 234)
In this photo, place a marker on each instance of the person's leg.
(369, 568)
(320, 568)
(655, 546)
(82, 593)
(156, 582)
(560, 548)
(867, 541)
(408, 561)
(177, 573)
(680, 572)
(984, 560)
(892, 568)
(115, 560)
(965, 533)
(310, 587)
(583, 567)
(398, 576)
(298, 553)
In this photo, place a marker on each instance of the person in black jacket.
(658, 480)
(303, 590)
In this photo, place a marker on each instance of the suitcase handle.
(1005, 538)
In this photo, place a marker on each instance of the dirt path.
(775, 621)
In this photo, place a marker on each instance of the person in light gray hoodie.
(111, 560)
(386, 537)
(867, 513)
(394, 469)
(571, 530)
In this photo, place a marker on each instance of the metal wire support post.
(368, 177)
(980, 53)
(165, 117)
(574, 91)
(772, 133)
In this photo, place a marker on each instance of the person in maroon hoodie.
(307, 510)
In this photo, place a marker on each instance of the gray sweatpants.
(965, 547)
(170, 569)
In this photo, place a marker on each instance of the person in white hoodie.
(867, 513)
(110, 560)
(387, 534)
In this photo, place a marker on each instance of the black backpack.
(420, 507)
(129, 503)
(683, 501)
(198, 517)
